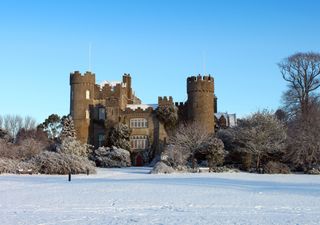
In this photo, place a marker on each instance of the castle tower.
(126, 79)
(201, 101)
(81, 97)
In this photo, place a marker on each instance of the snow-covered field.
(132, 196)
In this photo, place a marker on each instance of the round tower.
(81, 97)
(201, 101)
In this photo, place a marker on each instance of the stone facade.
(95, 108)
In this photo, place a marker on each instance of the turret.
(126, 79)
(81, 97)
(165, 101)
(201, 101)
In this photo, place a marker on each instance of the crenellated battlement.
(77, 78)
(200, 78)
(138, 110)
(200, 83)
(165, 100)
(179, 104)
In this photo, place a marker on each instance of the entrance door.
(139, 160)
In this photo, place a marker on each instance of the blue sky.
(159, 43)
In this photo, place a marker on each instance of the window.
(138, 123)
(139, 142)
(102, 113)
(87, 94)
(101, 138)
(87, 114)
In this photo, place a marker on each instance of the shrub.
(26, 149)
(262, 135)
(13, 165)
(276, 167)
(70, 145)
(8, 165)
(315, 170)
(161, 167)
(29, 148)
(213, 148)
(5, 135)
(112, 157)
(60, 163)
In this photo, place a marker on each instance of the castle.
(96, 108)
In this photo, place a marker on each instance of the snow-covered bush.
(8, 165)
(276, 167)
(70, 145)
(28, 148)
(4, 135)
(315, 170)
(213, 148)
(23, 150)
(112, 157)
(263, 136)
(219, 169)
(60, 163)
(13, 165)
(68, 141)
(161, 167)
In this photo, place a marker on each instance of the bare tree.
(302, 72)
(12, 124)
(261, 134)
(304, 140)
(29, 123)
(186, 141)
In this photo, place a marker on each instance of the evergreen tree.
(68, 129)
(52, 125)
(119, 136)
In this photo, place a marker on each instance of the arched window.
(87, 94)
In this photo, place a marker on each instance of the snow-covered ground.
(132, 196)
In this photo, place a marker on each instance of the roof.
(111, 83)
(142, 106)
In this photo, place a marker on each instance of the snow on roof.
(111, 83)
(142, 106)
